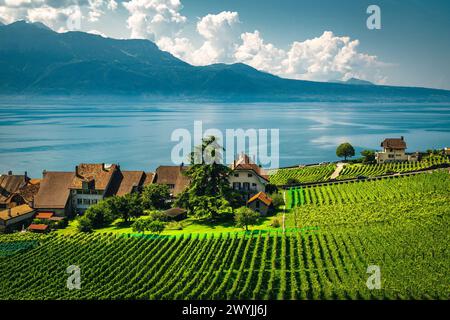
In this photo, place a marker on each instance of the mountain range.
(35, 60)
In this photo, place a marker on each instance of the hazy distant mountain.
(37, 60)
(355, 81)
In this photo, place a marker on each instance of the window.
(254, 184)
(391, 156)
(86, 201)
(236, 174)
(94, 201)
(257, 204)
(79, 201)
(171, 186)
(250, 175)
(79, 192)
(246, 186)
(236, 185)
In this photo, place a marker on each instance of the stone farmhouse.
(394, 150)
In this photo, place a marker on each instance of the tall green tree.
(127, 207)
(209, 191)
(345, 150)
(155, 196)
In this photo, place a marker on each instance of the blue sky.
(282, 37)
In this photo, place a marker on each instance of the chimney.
(44, 172)
(76, 171)
(402, 138)
(181, 166)
(9, 212)
(32, 202)
(9, 173)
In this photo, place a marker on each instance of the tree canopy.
(209, 192)
(345, 150)
(245, 216)
(155, 196)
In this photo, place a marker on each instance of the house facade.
(173, 177)
(394, 150)
(15, 218)
(260, 203)
(247, 177)
(91, 183)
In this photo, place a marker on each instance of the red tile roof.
(149, 177)
(244, 163)
(38, 227)
(11, 184)
(130, 179)
(97, 173)
(394, 143)
(15, 212)
(262, 197)
(54, 190)
(44, 215)
(172, 175)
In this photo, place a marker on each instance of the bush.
(174, 225)
(155, 227)
(157, 216)
(84, 224)
(275, 223)
(277, 199)
(271, 188)
(145, 224)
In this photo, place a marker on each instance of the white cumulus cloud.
(260, 55)
(154, 19)
(323, 58)
(329, 57)
(59, 15)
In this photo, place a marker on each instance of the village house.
(91, 183)
(173, 177)
(54, 194)
(17, 190)
(394, 150)
(247, 177)
(66, 193)
(260, 203)
(446, 151)
(15, 218)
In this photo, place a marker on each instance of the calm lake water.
(55, 134)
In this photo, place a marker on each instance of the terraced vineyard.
(419, 186)
(372, 170)
(401, 225)
(302, 175)
(327, 264)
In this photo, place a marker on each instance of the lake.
(56, 134)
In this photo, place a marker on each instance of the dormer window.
(87, 185)
(250, 175)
